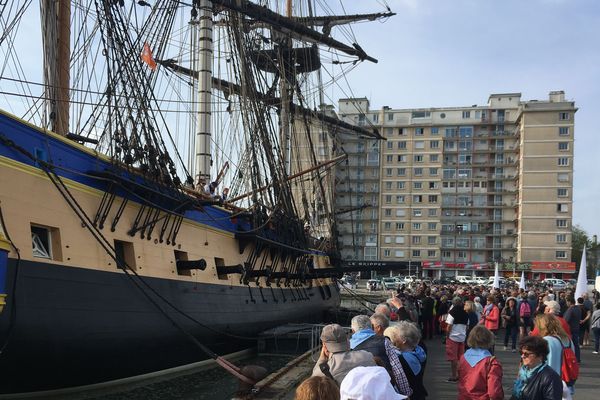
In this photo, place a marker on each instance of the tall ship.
(166, 180)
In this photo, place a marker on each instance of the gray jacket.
(343, 362)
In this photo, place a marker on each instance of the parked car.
(408, 279)
(571, 282)
(555, 283)
(373, 284)
(480, 280)
(389, 283)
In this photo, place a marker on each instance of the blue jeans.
(575, 338)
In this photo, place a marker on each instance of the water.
(211, 384)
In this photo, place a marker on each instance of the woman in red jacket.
(491, 315)
(479, 373)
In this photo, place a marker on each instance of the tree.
(580, 238)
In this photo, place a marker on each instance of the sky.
(442, 53)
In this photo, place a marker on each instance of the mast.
(286, 96)
(56, 27)
(203, 126)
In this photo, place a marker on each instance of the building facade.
(459, 189)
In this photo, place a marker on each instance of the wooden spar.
(289, 178)
(60, 124)
(222, 172)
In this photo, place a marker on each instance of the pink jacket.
(481, 382)
(491, 317)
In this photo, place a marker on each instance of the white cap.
(368, 383)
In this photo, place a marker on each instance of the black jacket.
(376, 346)
(545, 385)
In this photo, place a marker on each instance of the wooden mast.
(57, 27)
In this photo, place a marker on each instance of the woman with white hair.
(405, 336)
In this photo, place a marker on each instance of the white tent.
(581, 287)
(522, 283)
(496, 284)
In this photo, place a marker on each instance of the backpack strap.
(324, 367)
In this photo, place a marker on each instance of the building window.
(563, 177)
(387, 226)
(462, 255)
(417, 185)
(400, 212)
(434, 157)
(417, 198)
(400, 185)
(388, 185)
(401, 132)
(432, 184)
(387, 239)
(418, 158)
(388, 172)
(399, 239)
(419, 131)
(563, 161)
(402, 158)
(466, 114)
(386, 253)
(434, 144)
(431, 240)
(561, 207)
(431, 253)
(399, 253)
(564, 116)
(421, 114)
(432, 198)
(562, 146)
(432, 212)
(401, 171)
(399, 199)
(435, 130)
(562, 192)
(561, 238)
(563, 131)
(402, 144)
(419, 144)
(416, 240)
(418, 171)
(417, 212)
(387, 212)
(390, 117)
(399, 226)
(388, 131)
(432, 226)
(416, 253)
(416, 226)
(388, 199)
(561, 223)
(561, 254)
(389, 159)
(390, 145)
(433, 172)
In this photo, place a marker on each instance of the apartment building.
(462, 188)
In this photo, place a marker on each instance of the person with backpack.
(573, 317)
(480, 373)
(525, 312)
(561, 356)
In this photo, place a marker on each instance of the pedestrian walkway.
(438, 370)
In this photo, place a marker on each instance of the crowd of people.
(385, 354)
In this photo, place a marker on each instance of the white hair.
(360, 323)
(384, 309)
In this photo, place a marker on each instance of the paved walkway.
(438, 370)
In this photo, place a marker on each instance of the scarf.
(473, 356)
(360, 336)
(488, 309)
(414, 358)
(525, 375)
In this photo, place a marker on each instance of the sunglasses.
(526, 354)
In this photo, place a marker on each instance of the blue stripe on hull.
(77, 326)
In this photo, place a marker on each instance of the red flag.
(147, 57)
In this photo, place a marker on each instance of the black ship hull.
(76, 326)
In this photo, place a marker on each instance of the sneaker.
(505, 348)
(594, 352)
(514, 350)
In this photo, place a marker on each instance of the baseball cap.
(368, 383)
(335, 337)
